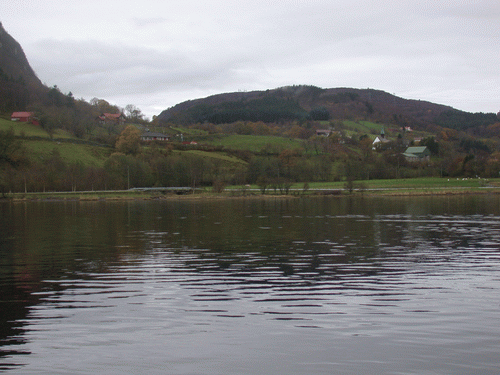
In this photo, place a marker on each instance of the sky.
(155, 54)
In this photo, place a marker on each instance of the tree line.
(132, 163)
(455, 152)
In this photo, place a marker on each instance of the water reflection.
(186, 283)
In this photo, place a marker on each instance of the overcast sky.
(155, 54)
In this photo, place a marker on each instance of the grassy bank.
(424, 186)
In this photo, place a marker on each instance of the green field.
(184, 131)
(214, 155)
(71, 153)
(414, 183)
(363, 126)
(428, 183)
(410, 184)
(42, 146)
(254, 143)
(30, 130)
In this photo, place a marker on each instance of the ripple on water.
(357, 294)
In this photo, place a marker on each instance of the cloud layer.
(156, 54)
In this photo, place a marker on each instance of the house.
(22, 116)
(323, 132)
(151, 136)
(111, 118)
(379, 139)
(420, 153)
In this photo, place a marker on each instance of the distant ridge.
(340, 103)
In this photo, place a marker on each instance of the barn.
(22, 116)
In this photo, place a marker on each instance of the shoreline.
(103, 196)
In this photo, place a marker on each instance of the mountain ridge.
(341, 103)
(20, 87)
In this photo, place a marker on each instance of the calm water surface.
(299, 286)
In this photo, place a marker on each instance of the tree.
(54, 172)
(319, 114)
(55, 96)
(129, 141)
(102, 106)
(127, 171)
(431, 144)
(11, 158)
(263, 183)
(134, 114)
(366, 146)
(349, 184)
(218, 185)
(11, 149)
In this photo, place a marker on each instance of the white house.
(151, 136)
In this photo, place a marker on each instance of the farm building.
(417, 154)
(22, 116)
(323, 132)
(151, 136)
(111, 118)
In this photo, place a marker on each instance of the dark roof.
(153, 134)
(416, 150)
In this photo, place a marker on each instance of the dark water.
(305, 286)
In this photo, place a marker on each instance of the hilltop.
(298, 101)
(314, 103)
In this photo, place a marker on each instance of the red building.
(111, 118)
(22, 116)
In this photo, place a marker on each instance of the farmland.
(253, 143)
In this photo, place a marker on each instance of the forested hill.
(20, 88)
(310, 102)
(19, 84)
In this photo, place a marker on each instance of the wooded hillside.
(268, 138)
(314, 103)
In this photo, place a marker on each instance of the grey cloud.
(100, 69)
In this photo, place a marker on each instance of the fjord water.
(249, 286)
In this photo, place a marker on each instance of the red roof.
(112, 115)
(21, 114)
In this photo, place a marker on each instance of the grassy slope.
(215, 155)
(30, 130)
(364, 126)
(254, 143)
(40, 149)
(87, 155)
